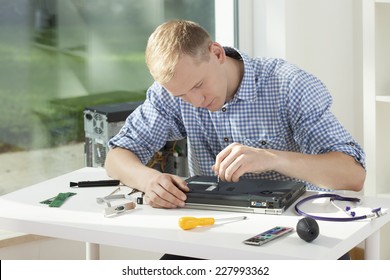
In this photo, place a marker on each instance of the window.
(56, 57)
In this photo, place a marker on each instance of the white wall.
(320, 39)
(320, 36)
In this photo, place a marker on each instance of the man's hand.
(237, 159)
(161, 190)
(332, 170)
(165, 191)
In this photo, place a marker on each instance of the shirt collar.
(247, 89)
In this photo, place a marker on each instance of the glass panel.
(56, 58)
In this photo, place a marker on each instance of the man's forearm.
(125, 166)
(161, 190)
(334, 170)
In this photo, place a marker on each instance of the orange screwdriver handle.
(192, 222)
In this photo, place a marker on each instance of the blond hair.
(169, 42)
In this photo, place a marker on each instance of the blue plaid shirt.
(277, 106)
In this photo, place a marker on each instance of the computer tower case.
(103, 122)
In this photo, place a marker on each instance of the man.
(241, 116)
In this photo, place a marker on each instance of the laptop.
(248, 195)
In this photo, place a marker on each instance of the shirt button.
(224, 109)
(263, 142)
(226, 139)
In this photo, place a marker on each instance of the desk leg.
(372, 246)
(92, 251)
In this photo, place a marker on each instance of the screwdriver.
(192, 222)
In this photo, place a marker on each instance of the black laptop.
(247, 195)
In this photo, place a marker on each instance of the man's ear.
(218, 51)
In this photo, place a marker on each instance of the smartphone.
(268, 235)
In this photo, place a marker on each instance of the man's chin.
(213, 109)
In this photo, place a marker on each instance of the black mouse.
(308, 229)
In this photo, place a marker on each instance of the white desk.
(146, 228)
